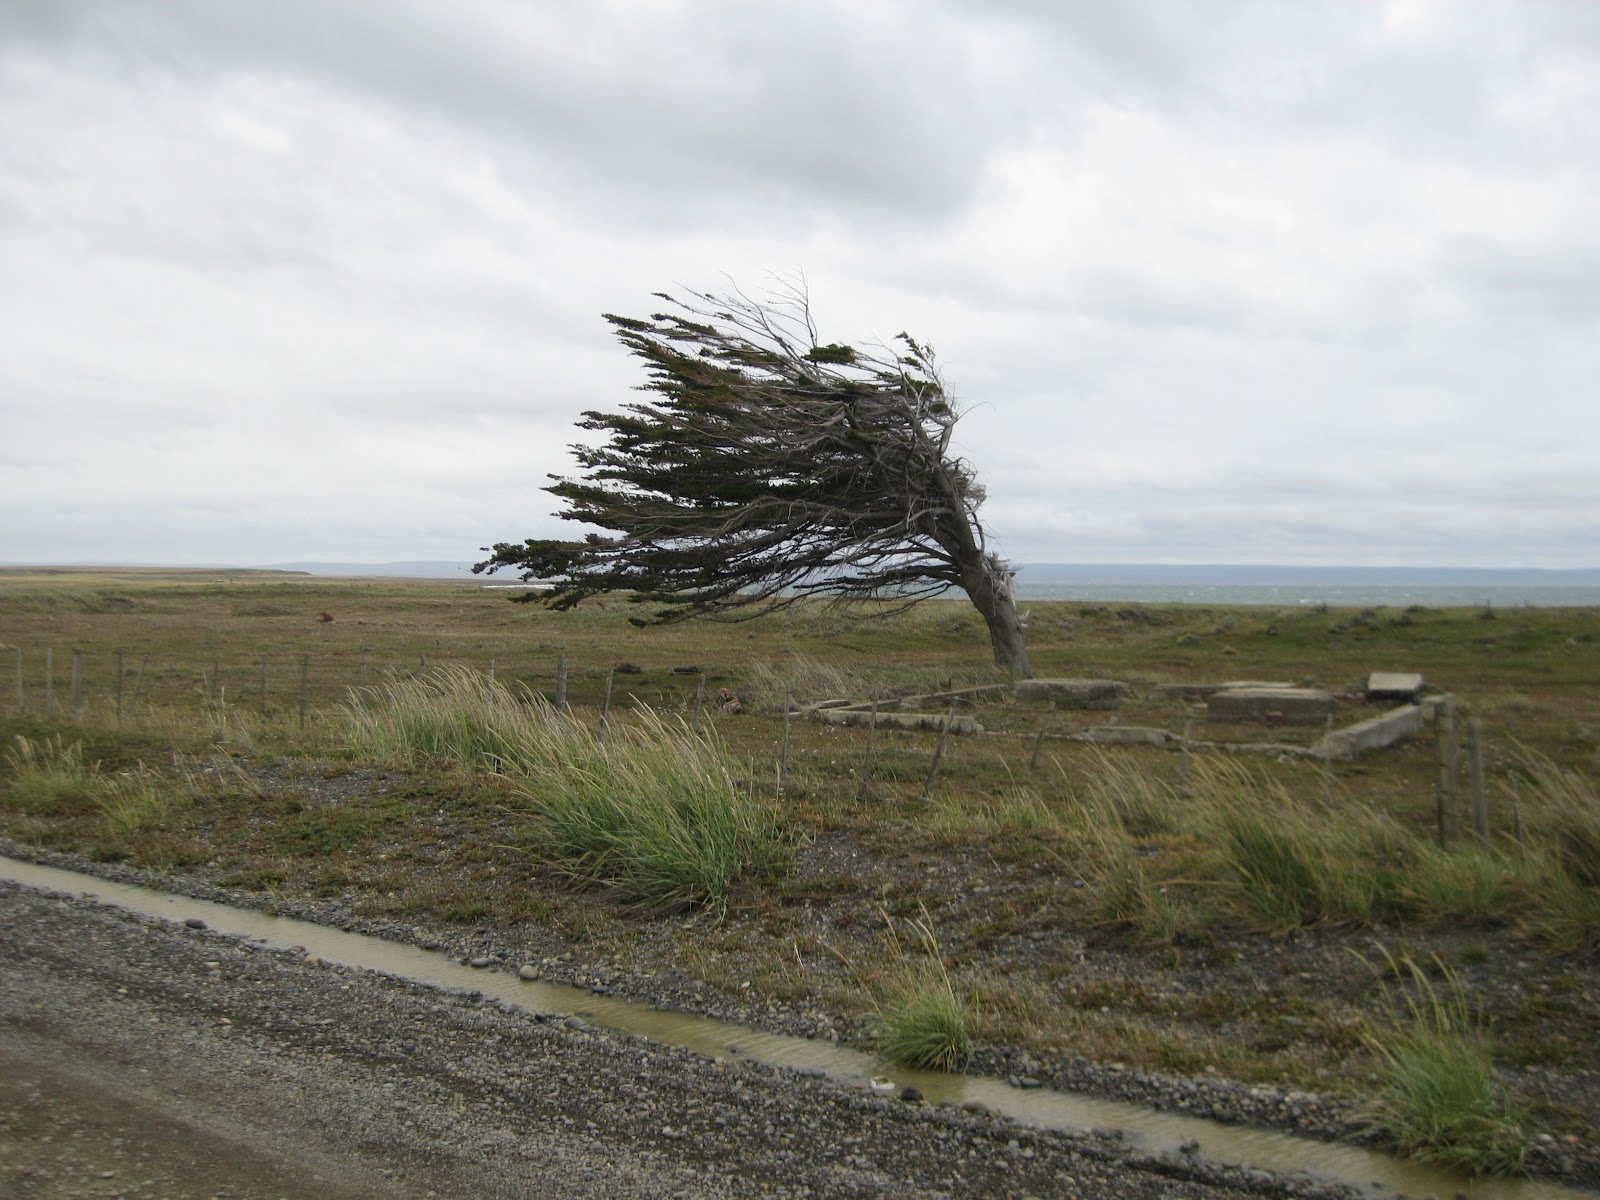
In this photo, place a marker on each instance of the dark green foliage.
(769, 466)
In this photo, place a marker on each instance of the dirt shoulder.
(142, 1058)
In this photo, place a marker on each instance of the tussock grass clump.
(925, 1023)
(1438, 1097)
(1283, 861)
(653, 811)
(650, 809)
(1016, 811)
(450, 715)
(135, 801)
(1568, 808)
(1143, 803)
(48, 775)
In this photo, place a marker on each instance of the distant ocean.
(1397, 587)
(1178, 583)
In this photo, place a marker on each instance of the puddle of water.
(1146, 1129)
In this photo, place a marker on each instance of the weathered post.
(1188, 736)
(699, 703)
(938, 751)
(1038, 745)
(1327, 763)
(561, 684)
(1444, 754)
(866, 763)
(783, 755)
(364, 656)
(1480, 802)
(605, 702)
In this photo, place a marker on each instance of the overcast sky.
(1289, 282)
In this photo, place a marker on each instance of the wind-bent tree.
(767, 467)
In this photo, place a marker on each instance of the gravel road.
(140, 1058)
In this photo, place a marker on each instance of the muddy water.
(1145, 1129)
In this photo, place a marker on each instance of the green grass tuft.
(650, 810)
(1438, 1098)
(926, 1023)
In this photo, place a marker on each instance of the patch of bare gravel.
(218, 1068)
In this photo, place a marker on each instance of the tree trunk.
(988, 584)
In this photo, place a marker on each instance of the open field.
(1084, 903)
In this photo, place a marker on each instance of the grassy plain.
(1186, 913)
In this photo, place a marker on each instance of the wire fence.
(51, 683)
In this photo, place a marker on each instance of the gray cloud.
(1218, 281)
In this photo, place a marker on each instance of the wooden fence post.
(783, 756)
(938, 751)
(605, 704)
(1480, 802)
(561, 684)
(866, 763)
(699, 702)
(1327, 763)
(1188, 738)
(1038, 745)
(1444, 754)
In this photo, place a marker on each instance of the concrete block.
(1074, 693)
(1393, 685)
(1201, 691)
(1354, 740)
(1126, 735)
(897, 720)
(932, 700)
(1286, 706)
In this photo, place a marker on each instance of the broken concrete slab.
(1201, 691)
(933, 722)
(1074, 693)
(1127, 735)
(918, 703)
(1268, 706)
(1393, 685)
(1352, 741)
